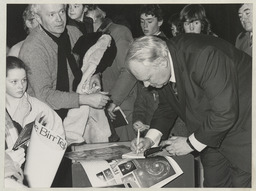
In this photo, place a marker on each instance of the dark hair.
(194, 12)
(154, 10)
(13, 62)
(175, 20)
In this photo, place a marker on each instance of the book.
(154, 172)
(24, 136)
(120, 118)
(105, 153)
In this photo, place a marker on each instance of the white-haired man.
(213, 97)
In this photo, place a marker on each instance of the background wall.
(223, 17)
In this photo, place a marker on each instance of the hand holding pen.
(142, 145)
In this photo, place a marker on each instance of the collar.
(172, 79)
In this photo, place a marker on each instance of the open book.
(24, 135)
(152, 172)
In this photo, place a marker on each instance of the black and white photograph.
(179, 74)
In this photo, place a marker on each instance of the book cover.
(120, 118)
(24, 136)
(152, 172)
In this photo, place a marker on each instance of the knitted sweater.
(40, 54)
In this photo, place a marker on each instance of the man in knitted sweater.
(53, 68)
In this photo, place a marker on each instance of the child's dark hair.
(13, 62)
(192, 12)
(153, 10)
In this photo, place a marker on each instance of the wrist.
(190, 145)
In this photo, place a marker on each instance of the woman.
(193, 20)
(22, 109)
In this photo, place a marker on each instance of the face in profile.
(16, 82)
(149, 24)
(53, 18)
(174, 30)
(76, 11)
(192, 26)
(245, 15)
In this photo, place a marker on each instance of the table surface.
(186, 162)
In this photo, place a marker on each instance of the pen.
(138, 141)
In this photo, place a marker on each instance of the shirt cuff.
(155, 136)
(196, 144)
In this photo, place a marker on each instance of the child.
(77, 18)
(22, 109)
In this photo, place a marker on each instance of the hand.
(178, 146)
(111, 109)
(95, 100)
(95, 81)
(144, 144)
(138, 125)
(17, 156)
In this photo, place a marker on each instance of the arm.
(217, 77)
(41, 78)
(126, 81)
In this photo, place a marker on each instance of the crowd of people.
(191, 92)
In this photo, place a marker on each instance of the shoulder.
(73, 32)
(120, 31)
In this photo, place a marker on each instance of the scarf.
(64, 54)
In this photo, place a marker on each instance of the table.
(187, 179)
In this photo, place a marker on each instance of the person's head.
(151, 19)
(29, 19)
(52, 17)
(76, 11)
(194, 19)
(148, 61)
(174, 23)
(16, 77)
(245, 14)
(97, 15)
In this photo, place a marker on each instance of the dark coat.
(214, 82)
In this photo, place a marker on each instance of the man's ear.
(38, 18)
(160, 62)
(160, 23)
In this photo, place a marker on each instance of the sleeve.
(140, 106)
(216, 74)
(164, 117)
(126, 81)
(40, 78)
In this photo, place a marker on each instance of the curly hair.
(154, 10)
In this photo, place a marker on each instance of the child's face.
(16, 82)
(75, 11)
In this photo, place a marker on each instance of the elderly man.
(207, 82)
(54, 72)
(244, 39)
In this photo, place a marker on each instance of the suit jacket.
(214, 81)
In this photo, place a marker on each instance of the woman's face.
(192, 26)
(16, 82)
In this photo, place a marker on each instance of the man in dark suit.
(213, 97)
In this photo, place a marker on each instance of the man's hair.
(35, 8)
(193, 12)
(146, 49)
(154, 10)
